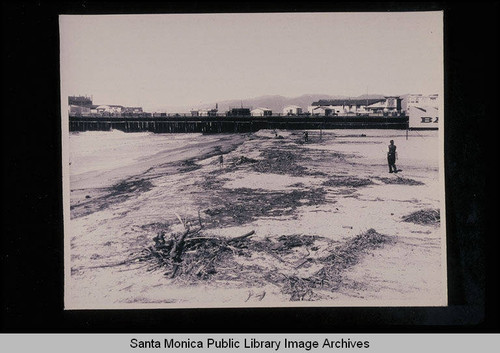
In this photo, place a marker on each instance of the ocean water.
(100, 151)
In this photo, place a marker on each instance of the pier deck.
(236, 124)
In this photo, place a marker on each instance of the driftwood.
(178, 246)
(191, 258)
(176, 252)
(241, 237)
(177, 249)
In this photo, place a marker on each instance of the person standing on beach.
(391, 157)
(221, 160)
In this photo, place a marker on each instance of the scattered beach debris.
(243, 160)
(279, 161)
(156, 226)
(242, 205)
(302, 266)
(400, 181)
(287, 242)
(212, 181)
(130, 187)
(190, 256)
(428, 216)
(347, 181)
(114, 194)
(352, 135)
(188, 166)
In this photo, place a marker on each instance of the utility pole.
(407, 128)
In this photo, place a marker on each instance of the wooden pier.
(228, 124)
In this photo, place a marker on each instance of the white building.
(423, 111)
(261, 112)
(109, 109)
(423, 117)
(355, 106)
(420, 100)
(77, 110)
(292, 110)
(322, 110)
(204, 112)
(134, 110)
(390, 105)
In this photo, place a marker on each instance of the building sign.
(423, 117)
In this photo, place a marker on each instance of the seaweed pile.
(400, 181)
(244, 160)
(426, 216)
(347, 181)
(188, 165)
(330, 275)
(280, 161)
(242, 205)
(116, 193)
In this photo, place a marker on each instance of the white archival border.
(67, 225)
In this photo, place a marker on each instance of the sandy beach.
(317, 207)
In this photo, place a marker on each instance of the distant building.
(76, 110)
(206, 112)
(133, 110)
(422, 100)
(390, 106)
(239, 112)
(423, 111)
(102, 109)
(292, 110)
(345, 106)
(80, 101)
(261, 112)
(322, 111)
(375, 106)
(423, 117)
(341, 106)
(112, 109)
(83, 105)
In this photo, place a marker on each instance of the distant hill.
(274, 102)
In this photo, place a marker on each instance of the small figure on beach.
(391, 157)
(221, 160)
(306, 136)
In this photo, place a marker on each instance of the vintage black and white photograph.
(230, 160)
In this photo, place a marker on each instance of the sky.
(190, 59)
